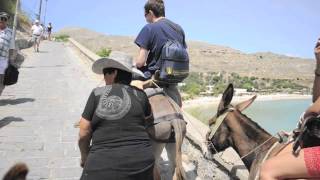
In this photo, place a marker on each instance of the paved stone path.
(37, 114)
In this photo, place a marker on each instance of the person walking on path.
(151, 40)
(5, 41)
(306, 164)
(115, 120)
(37, 31)
(49, 30)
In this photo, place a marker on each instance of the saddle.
(163, 111)
(160, 113)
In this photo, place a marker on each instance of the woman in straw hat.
(114, 121)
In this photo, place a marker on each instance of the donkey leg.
(171, 151)
(179, 127)
(157, 150)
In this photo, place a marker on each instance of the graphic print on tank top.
(113, 107)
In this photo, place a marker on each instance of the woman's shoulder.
(101, 90)
(138, 92)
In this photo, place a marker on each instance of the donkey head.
(220, 134)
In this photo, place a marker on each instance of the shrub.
(104, 52)
(62, 38)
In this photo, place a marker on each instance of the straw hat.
(118, 60)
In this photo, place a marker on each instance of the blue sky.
(288, 27)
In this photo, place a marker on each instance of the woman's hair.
(123, 77)
(156, 6)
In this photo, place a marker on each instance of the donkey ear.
(226, 98)
(245, 104)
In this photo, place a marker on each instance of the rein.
(214, 128)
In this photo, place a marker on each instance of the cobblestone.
(37, 114)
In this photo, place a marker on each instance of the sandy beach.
(214, 100)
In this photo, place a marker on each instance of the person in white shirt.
(5, 40)
(37, 31)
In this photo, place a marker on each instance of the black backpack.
(173, 60)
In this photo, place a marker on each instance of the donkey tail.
(179, 127)
(18, 171)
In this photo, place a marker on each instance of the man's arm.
(85, 135)
(316, 85)
(142, 57)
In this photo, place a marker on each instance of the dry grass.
(211, 58)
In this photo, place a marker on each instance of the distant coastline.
(207, 100)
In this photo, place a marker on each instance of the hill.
(207, 57)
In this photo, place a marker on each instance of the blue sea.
(273, 115)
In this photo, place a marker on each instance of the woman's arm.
(316, 85)
(85, 135)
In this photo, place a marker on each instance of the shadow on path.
(7, 120)
(32, 67)
(4, 102)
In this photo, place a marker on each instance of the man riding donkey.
(164, 60)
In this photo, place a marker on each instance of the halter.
(219, 120)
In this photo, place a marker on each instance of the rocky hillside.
(9, 6)
(211, 58)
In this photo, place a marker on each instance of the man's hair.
(123, 77)
(156, 6)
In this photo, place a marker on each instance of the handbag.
(11, 75)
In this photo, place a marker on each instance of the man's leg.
(1, 83)
(34, 44)
(38, 43)
(35, 41)
(288, 166)
(172, 91)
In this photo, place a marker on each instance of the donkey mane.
(253, 128)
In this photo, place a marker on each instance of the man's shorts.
(312, 160)
(36, 38)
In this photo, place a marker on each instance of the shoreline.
(207, 100)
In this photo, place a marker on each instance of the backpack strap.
(174, 26)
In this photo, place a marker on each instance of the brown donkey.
(169, 127)
(238, 131)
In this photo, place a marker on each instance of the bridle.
(216, 125)
(218, 121)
